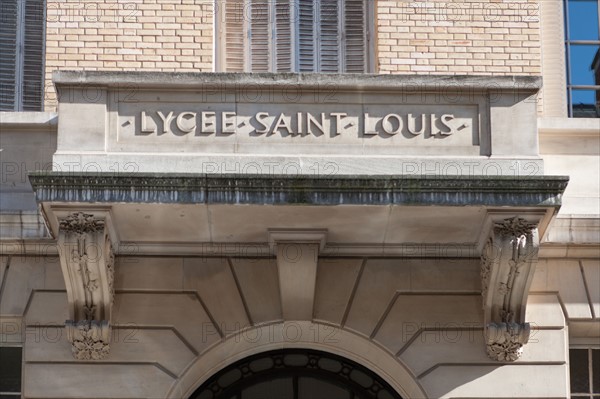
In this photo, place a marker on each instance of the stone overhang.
(361, 213)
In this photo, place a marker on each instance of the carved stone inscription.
(330, 124)
(383, 129)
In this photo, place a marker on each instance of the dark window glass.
(10, 369)
(596, 370)
(579, 370)
(313, 388)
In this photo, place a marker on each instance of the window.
(22, 32)
(295, 374)
(10, 372)
(582, 29)
(295, 36)
(585, 373)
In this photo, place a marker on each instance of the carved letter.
(180, 122)
(300, 130)
(387, 126)
(434, 128)
(412, 127)
(282, 123)
(368, 129)
(338, 121)
(311, 120)
(166, 121)
(445, 119)
(227, 125)
(260, 117)
(208, 126)
(144, 128)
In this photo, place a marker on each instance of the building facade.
(289, 199)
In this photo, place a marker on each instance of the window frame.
(220, 34)
(568, 42)
(589, 348)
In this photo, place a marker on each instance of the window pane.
(579, 370)
(583, 19)
(10, 369)
(596, 370)
(582, 68)
(282, 388)
(313, 388)
(584, 103)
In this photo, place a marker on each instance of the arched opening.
(295, 374)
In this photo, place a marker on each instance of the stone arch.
(297, 335)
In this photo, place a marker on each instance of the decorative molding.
(87, 261)
(505, 340)
(507, 265)
(81, 223)
(298, 236)
(90, 339)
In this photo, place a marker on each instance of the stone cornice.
(539, 191)
(343, 82)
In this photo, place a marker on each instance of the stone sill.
(569, 126)
(28, 120)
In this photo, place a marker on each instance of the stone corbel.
(507, 266)
(87, 262)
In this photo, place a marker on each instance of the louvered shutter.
(355, 36)
(33, 55)
(259, 36)
(233, 36)
(283, 36)
(329, 36)
(8, 54)
(329, 40)
(306, 36)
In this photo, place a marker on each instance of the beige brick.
(437, 36)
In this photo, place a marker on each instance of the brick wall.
(495, 37)
(151, 35)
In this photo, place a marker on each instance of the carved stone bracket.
(507, 267)
(87, 262)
